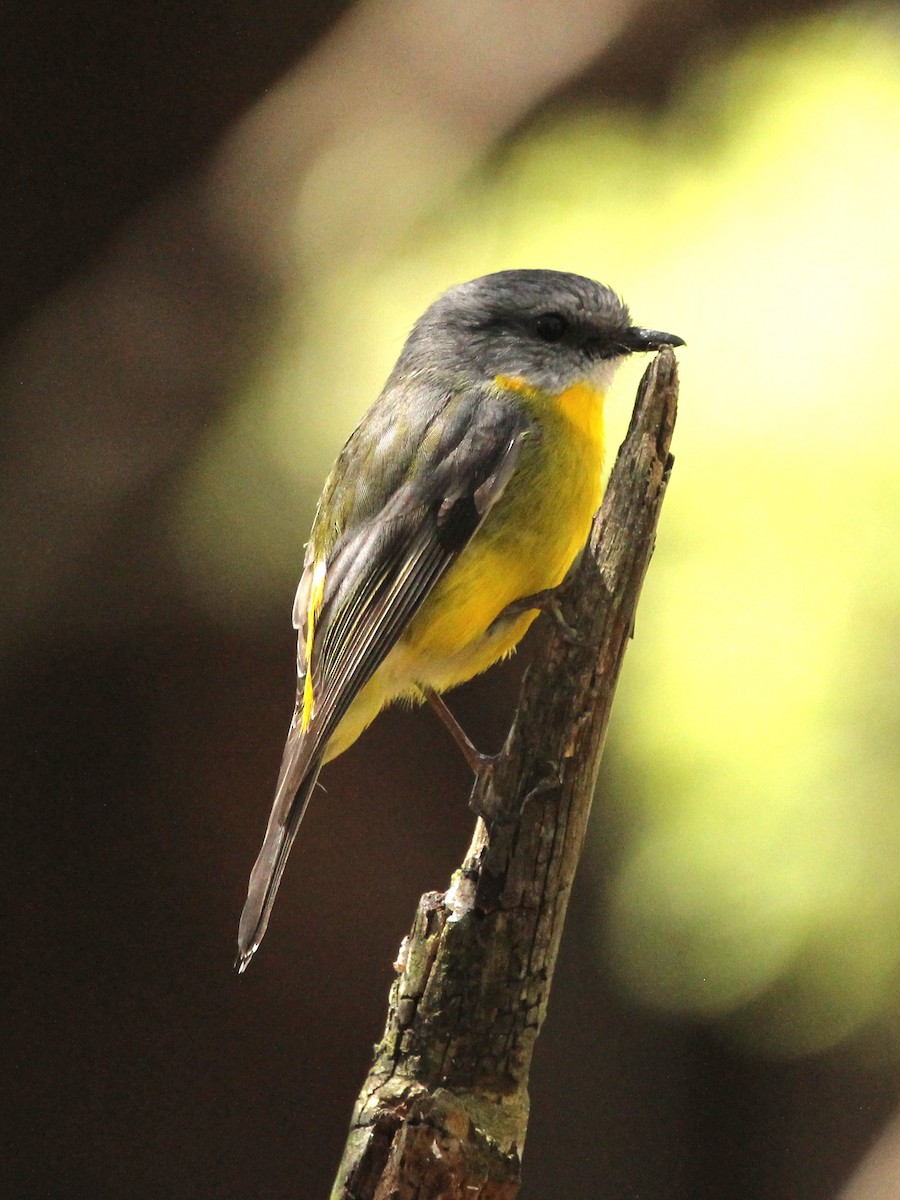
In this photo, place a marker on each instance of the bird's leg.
(483, 764)
(479, 763)
(546, 601)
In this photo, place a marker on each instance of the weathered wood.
(444, 1111)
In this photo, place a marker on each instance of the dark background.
(140, 743)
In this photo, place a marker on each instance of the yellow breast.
(530, 538)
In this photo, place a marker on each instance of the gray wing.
(384, 571)
(377, 578)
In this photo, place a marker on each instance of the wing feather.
(376, 579)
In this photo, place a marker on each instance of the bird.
(455, 508)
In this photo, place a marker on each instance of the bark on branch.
(444, 1111)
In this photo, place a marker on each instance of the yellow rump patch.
(316, 595)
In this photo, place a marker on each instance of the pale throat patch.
(598, 379)
(601, 376)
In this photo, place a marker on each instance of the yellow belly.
(527, 543)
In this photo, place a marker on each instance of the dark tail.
(269, 867)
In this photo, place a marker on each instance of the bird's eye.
(551, 327)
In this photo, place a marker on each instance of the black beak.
(637, 339)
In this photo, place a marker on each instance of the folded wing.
(360, 599)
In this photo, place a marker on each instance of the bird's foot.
(485, 803)
(546, 601)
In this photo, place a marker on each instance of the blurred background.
(218, 224)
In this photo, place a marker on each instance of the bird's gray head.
(549, 328)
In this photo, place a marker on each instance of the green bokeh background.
(756, 827)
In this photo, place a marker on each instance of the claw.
(546, 601)
(496, 814)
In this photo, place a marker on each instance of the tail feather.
(269, 867)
